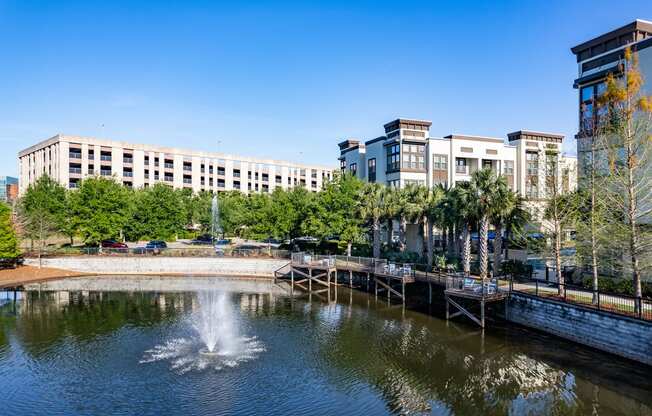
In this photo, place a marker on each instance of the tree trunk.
(402, 233)
(424, 239)
(444, 240)
(466, 249)
(594, 250)
(484, 246)
(498, 249)
(390, 230)
(557, 245)
(450, 246)
(348, 248)
(376, 237)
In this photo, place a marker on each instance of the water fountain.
(216, 324)
(215, 217)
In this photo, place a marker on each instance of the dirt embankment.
(31, 274)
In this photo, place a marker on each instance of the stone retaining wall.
(223, 266)
(620, 335)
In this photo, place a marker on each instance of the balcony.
(106, 158)
(168, 178)
(128, 174)
(147, 176)
(105, 172)
(128, 160)
(462, 170)
(74, 170)
(91, 156)
(73, 185)
(186, 168)
(75, 155)
(187, 181)
(168, 165)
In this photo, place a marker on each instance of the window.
(588, 115)
(532, 159)
(353, 168)
(394, 183)
(460, 166)
(278, 179)
(343, 165)
(313, 184)
(187, 167)
(414, 182)
(414, 156)
(371, 170)
(127, 158)
(509, 167)
(439, 162)
(236, 173)
(169, 164)
(236, 184)
(393, 158)
(91, 155)
(220, 183)
(220, 170)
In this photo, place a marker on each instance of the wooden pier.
(316, 274)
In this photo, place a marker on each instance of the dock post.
(350, 278)
(482, 313)
(447, 309)
(403, 290)
(429, 293)
(376, 286)
(367, 281)
(389, 284)
(310, 280)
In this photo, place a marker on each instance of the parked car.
(113, 244)
(202, 239)
(156, 244)
(222, 242)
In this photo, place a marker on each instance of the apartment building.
(69, 159)
(8, 188)
(407, 154)
(596, 58)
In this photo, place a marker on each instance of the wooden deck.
(317, 274)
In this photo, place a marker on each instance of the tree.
(102, 208)
(433, 217)
(158, 214)
(464, 202)
(42, 211)
(489, 191)
(627, 141)
(8, 239)
(510, 217)
(372, 209)
(335, 211)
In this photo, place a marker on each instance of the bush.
(517, 268)
(618, 286)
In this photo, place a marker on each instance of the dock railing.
(478, 287)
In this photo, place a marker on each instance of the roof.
(637, 25)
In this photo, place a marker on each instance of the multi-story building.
(407, 154)
(598, 57)
(8, 188)
(531, 162)
(69, 159)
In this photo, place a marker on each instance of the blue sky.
(289, 80)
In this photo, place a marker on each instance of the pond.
(135, 346)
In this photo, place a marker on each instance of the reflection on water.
(132, 353)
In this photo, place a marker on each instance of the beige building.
(69, 159)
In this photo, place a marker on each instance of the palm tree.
(372, 209)
(401, 198)
(489, 192)
(465, 214)
(434, 217)
(416, 211)
(508, 215)
(392, 209)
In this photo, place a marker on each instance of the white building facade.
(70, 159)
(407, 154)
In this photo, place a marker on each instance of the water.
(139, 352)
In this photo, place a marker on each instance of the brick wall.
(629, 338)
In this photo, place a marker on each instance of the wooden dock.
(316, 274)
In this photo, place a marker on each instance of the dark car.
(203, 239)
(156, 244)
(113, 244)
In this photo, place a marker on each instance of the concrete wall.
(629, 338)
(164, 265)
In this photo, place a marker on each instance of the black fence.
(632, 306)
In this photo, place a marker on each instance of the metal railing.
(632, 306)
(260, 252)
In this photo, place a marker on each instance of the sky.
(289, 80)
